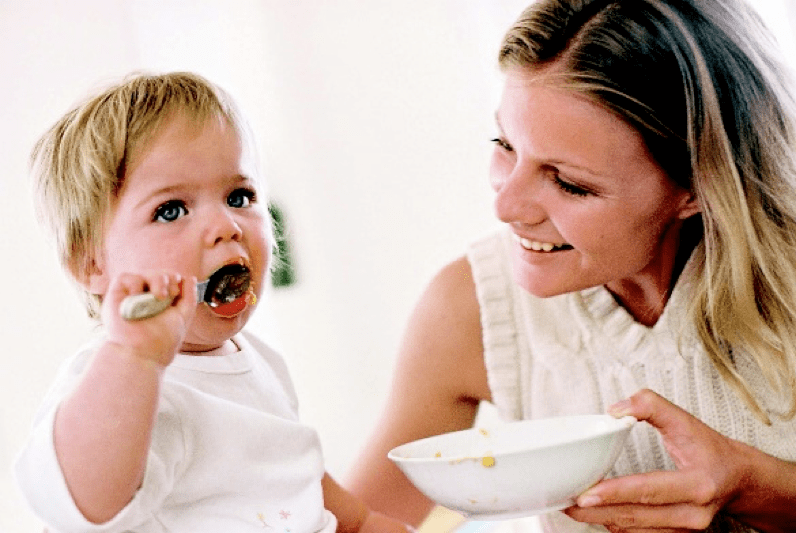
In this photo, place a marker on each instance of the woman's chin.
(540, 282)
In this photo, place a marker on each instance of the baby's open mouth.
(227, 284)
(229, 290)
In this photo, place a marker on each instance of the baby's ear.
(90, 274)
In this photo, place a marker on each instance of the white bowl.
(517, 468)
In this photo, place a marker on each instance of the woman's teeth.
(537, 246)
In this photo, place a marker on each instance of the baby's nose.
(223, 227)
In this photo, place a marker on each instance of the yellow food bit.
(483, 432)
(438, 454)
(488, 462)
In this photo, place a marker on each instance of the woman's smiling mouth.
(538, 246)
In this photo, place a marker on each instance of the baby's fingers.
(164, 285)
(186, 296)
(161, 286)
(155, 336)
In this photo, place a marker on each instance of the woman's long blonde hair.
(700, 80)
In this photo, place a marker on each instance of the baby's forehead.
(186, 123)
(183, 148)
(187, 119)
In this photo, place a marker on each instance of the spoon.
(225, 285)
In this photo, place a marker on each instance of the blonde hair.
(699, 81)
(78, 165)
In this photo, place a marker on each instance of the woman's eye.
(569, 188)
(502, 144)
(170, 211)
(241, 198)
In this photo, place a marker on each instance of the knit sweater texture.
(580, 352)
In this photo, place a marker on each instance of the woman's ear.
(689, 205)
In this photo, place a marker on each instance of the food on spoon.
(227, 284)
(229, 290)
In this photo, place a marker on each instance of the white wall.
(48, 56)
(374, 120)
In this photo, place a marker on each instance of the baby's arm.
(102, 429)
(352, 514)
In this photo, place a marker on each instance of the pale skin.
(589, 207)
(186, 208)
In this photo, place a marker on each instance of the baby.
(180, 421)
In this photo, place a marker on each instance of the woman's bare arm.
(439, 381)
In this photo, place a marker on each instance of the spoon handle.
(147, 305)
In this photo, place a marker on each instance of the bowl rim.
(624, 423)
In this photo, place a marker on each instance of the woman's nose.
(516, 198)
(222, 227)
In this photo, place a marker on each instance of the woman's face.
(586, 202)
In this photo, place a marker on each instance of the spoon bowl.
(225, 285)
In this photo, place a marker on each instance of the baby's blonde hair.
(78, 165)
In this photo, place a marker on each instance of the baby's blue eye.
(241, 198)
(170, 211)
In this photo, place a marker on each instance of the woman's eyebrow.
(556, 161)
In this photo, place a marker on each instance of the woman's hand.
(712, 473)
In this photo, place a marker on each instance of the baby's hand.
(157, 338)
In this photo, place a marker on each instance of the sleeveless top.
(580, 352)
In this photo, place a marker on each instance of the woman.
(646, 173)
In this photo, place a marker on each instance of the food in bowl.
(514, 469)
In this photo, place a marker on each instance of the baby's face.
(186, 206)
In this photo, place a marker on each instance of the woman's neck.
(645, 296)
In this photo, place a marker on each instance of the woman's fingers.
(653, 488)
(689, 442)
(647, 406)
(636, 518)
(682, 500)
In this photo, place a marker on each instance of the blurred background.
(373, 122)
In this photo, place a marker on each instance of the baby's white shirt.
(228, 452)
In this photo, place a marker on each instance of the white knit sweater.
(581, 352)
